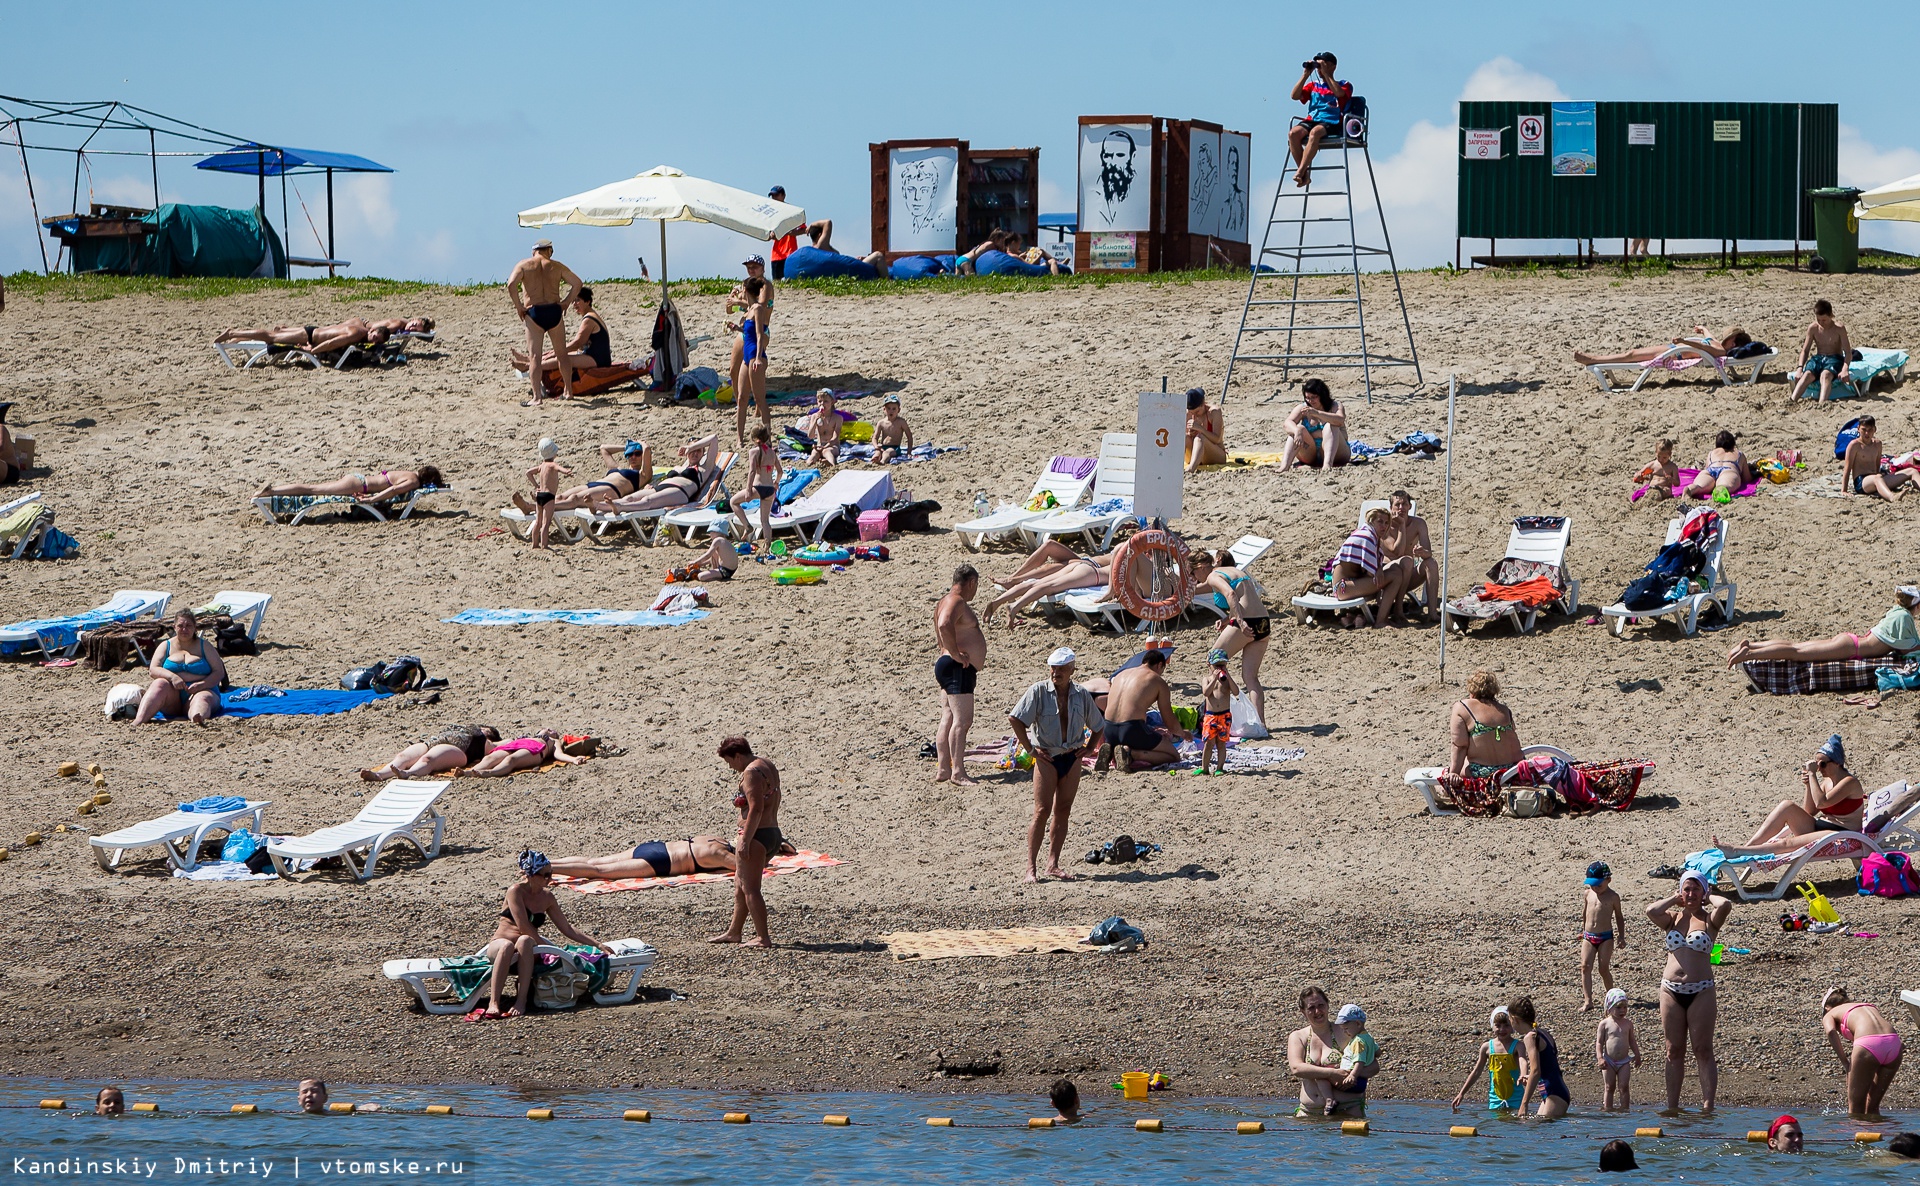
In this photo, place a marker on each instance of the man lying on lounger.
(320, 339)
(658, 858)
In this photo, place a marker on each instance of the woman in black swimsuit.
(452, 747)
(592, 345)
(657, 858)
(529, 903)
(680, 486)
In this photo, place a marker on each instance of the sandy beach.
(1327, 871)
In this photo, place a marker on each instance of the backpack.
(1681, 558)
(1890, 875)
(1647, 592)
(403, 674)
(910, 515)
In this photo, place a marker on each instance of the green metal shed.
(1726, 171)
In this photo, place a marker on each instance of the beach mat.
(293, 702)
(575, 617)
(790, 863)
(1245, 459)
(1007, 941)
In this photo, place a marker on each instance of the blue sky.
(486, 108)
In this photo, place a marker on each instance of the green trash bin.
(1836, 231)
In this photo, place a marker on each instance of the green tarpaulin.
(189, 241)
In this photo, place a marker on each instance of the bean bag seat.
(916, 267)
(811, 263)
(999, 263)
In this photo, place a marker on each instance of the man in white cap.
(534, 289)
(1064, 721)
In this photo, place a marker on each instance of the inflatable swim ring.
(823, 556)
(795, 576)
(1165, 553)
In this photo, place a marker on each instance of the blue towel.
(791, 485)
(60, 633)
(295, 702)
(1707, 863)
(811, 263)
(214, 804)
(576, 617)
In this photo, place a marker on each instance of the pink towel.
(786, 863)
(1688, 475)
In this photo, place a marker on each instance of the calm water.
(890, 1141)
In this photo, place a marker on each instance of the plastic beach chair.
(170, 830)
(1679, 357)
(1718, 596)
(1066, 487)
(1325, 603)
(1112, 480)
(1889, 825)
(395, 813)
(292, 508)
(1095, 606)
(22, 522)
(648, 524)
(241, 606)
(62, 635)
(429, 981)
(1530, 546)
(864, 489)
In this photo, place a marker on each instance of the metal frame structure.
(1302, 260)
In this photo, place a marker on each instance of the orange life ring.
(1143, 545)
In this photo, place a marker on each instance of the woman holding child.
(1313, 1057)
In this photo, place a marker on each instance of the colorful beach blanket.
(282, 505)
(788, 863)
(1794, 677)
(1686, 479)
(575, 617)
(941, 945)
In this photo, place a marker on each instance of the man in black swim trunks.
(539, 278)
(1062, 716)
(1129, 738)
(963, 649)
(759, 804)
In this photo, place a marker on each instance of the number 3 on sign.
(1160, 438)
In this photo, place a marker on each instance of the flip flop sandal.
(479, 1013)
(1664, 873)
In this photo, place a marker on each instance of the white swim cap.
(548, 450)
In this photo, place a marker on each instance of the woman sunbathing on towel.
(677, 487)
(1719, 344)
(1481, 731)
(523, 753)
(1725, 468)
(451, 748)
(512, 949)
(391, 483)
(187, 674)
(1831, 800)
(658, 858)
(1892, 635)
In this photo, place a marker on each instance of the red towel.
(1532, 592)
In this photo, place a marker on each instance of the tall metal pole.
(330, 254)
(1446, 524)
(286, 227)
(663, 263)
(153, 157)
(33, 203)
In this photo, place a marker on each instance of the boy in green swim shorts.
(1826, 351)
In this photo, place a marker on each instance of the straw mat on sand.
(789, 863)
(940, 945)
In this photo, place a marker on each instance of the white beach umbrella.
(664, 194)
(1899, 199)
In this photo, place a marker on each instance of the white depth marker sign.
(1159, 459)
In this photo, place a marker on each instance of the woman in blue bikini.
(1482, 732)
(187, 675)
(750, 388)
(1317, 430)
(1725, 468)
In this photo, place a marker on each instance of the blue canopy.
(1063, 221)
(265, 160)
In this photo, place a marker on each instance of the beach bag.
(239, 846)
(1246, 723)
(560, 988)
(904, 514)
(1529, 802)
(359, 679)
(1647, 592)
(123, 700)
(1846, 436)
(1888, 874)
(55, 544)
(403, 674)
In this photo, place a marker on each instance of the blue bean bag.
(811, 263)
(917, 267)
(999, 263)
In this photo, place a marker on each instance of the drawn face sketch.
(1233, 213)
(1116, 172)
(919, 181)
(1204, 175)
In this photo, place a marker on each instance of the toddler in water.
(1616, 1051)
(1217, 690)
(1659, 476)
(1359, 1052)
(1502, 1059)
(1601, 919)
(545, 477)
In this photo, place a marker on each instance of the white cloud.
(1864, 165)
(1505, 79)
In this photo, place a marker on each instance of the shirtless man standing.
(1128, 736)
(963, 648)
(1406, 536)
(1826, 351)
(539, 278)
(760, 838)
(321, 339)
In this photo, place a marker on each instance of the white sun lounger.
(127, 605)
(1095, 607)
(241, 606)
(1067, 492)
(648, 524)
(1542, 546)
(169, 830)
(396, 812)
(22, 522)
(344, 505)
(1113, 479)
(860, 488)
(1679, 357)
(1325, 603)
(1719, 594)
(1898, 834)
(1426, 779)
(253, 354)
(688, 524)
(630, 961)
